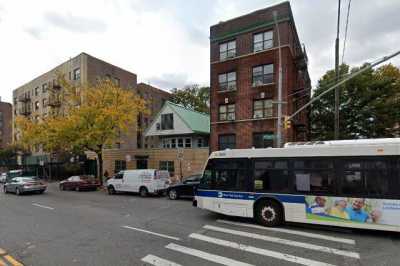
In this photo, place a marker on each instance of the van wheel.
(111, 190)
(143, 192)
(173, 194)
(269, 213)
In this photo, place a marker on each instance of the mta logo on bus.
(220, 194)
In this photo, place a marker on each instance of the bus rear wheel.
(269, 213)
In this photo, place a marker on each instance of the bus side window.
(206, 181)
(271, 175)
(231, 174)
(314, 176)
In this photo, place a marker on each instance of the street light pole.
(337, 90)
(279, 122)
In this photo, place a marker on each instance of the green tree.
(94, 116)
(369, 105)
(193, 97)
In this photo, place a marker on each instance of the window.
(180, 143)
(262, 108)
(117, 81)
(263, 75)
(167, 121)
(77, 74)
(44, 102)
(263, 41)
(188, 142)
(316, 176)
(119, 176)
(227, 112)
(45, 87)
(36, 91)
(370, 177)
(227, 50)
(200, 142)
(169, 166)
(37, 105)
(173, 143)
(119, 165)
(230, 174)
(226, 141)
(271, 175)
(263, 140)
(227, 81)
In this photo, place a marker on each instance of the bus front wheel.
(269, 213)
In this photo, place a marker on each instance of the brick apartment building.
(39, 97)
(5, 124)
(244, 79)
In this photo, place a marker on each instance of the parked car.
(142, 181)
(184, 189)
(78, 183)
(21, 185)
(3, 178)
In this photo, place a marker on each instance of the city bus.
(347, 183)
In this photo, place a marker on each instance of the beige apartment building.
(38, 98)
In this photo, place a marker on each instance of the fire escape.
(54, 101)
(26, 108)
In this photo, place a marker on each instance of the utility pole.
(337, 90)
(279, 123)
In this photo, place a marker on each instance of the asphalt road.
(93, 228)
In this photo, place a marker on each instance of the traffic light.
(287, 123)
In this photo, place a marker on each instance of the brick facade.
(295, 80)
(5, 124)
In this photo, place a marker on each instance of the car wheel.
(18, 192)
(173, 194)
(269, 213)
(143, 192)
(111, 190)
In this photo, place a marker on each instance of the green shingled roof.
(196, 121)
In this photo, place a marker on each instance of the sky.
(166, 43)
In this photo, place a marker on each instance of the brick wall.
(5, 124)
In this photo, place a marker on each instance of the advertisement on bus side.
(353, 210)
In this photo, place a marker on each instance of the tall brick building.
(244, 79)
(39, 97)
(5, 124)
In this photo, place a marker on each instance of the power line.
(345, 34)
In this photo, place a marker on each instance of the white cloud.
(166, 42)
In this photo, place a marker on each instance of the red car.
(79, 183)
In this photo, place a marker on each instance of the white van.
(142, 181)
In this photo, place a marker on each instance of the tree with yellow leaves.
(92, 117)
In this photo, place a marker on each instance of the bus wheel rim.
(268, 213)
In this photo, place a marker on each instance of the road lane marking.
(206, 256)
(293, 232)
(42, 206)
(151, 233)
(259, 251)
(13, 261)
(284, 241)
(156, 261)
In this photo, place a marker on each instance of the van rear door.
(162, 179)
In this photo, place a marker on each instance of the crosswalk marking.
(293, 232)
(156, 261)
(151, 233)
(284, 241)
(206, 256)
(255, 250)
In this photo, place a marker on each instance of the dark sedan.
(21, 185)
(79, 183)
(184, 189)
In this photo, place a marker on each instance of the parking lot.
(93, 228)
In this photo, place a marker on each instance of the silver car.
(20, 185)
